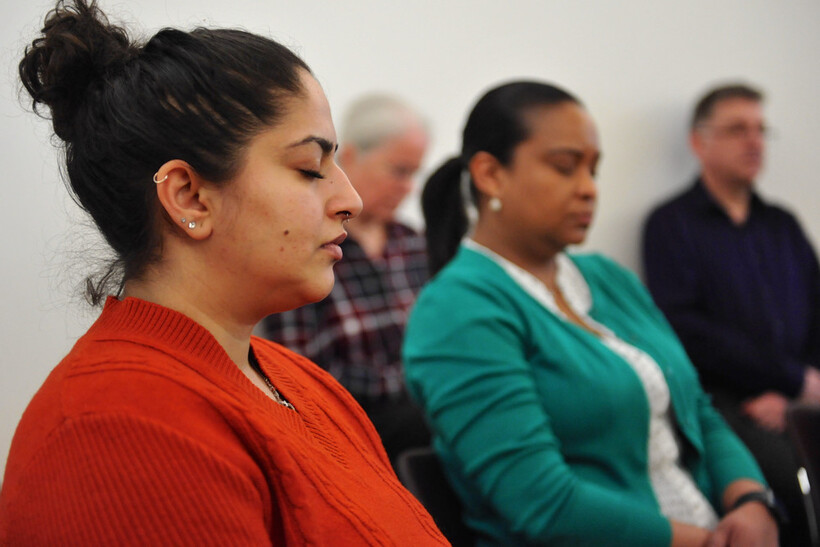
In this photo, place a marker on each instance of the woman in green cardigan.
(565, 410)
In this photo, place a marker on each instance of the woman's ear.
(487, 173)
(182, 194)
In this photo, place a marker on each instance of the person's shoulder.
(613, 282)
(268, 350)
(601, 270)
(777, 211)
(597, 263)
(471, 286)
(779, 220)
(675, 204)
(468, 269)
(276, 351)
(107, 381)
(127, 376)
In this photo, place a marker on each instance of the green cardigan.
(542, 429)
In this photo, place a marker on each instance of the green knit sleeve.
(466, 362)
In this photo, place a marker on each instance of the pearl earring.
(494, 205)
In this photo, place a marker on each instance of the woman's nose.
(346, 199)
(588, 188)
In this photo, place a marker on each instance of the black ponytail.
(445, 213)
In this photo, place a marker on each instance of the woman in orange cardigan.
(206, 160)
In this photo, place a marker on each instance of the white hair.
(375, 118)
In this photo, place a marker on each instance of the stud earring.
(163, 179)
(494, 205)
(192, 225)
(182, 220)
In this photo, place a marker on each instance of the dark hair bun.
(123, 109)
(77, 50)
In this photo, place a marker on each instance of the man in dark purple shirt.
(740, 283)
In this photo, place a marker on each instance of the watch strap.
(766, 497)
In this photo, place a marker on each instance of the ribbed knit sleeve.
(121, 480)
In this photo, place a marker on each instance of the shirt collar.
(704, 200)
(568, 277)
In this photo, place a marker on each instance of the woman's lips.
(338, 240)
(334, 246)
(585, 219)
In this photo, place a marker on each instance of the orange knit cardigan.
(147, 433)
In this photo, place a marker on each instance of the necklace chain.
(276, 395)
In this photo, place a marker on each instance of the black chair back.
(804, 429)
(420, 471)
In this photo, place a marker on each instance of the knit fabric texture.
(148, 434)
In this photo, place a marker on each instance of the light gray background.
(637, 64)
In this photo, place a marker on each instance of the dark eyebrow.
(575, 152)
(571, 151)
(326, 146)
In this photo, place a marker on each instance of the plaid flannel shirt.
(356, 332)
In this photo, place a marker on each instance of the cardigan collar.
(570, 281)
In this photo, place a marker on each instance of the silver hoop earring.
(494, 205)
(192, 225)
(161, 180)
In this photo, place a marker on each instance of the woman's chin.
(298, 296)
(579, 237)
(319, 290)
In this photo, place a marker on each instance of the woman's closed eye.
(565, 168)
(565, 164)
(565, 161)
(311, 174)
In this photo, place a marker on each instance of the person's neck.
(734, 197)
(541, 265)
(193, 296)
(370, 233)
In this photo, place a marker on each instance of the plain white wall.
(638, 65)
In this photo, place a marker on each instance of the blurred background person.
(205, 158)
(740, 283)
(356, 332)
(564, 409)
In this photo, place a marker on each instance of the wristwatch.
(766, 497)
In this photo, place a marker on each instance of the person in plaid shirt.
(356, 332)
